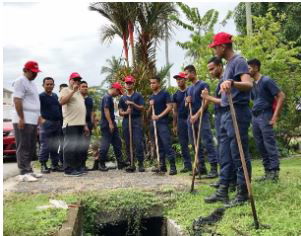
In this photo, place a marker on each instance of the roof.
(7, 91)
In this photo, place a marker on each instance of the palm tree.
(113, 66)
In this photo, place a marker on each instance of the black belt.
(227, 108)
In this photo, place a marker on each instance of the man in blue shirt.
(264, 92)
(50, 129)
(236, 79)
(215, 68)
(194, 97)
(109, 129)
(180, 115)
(161, 101)
(132, 103)
(89, 121)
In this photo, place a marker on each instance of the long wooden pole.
(156, 138)
(131, 140)
(243, 160)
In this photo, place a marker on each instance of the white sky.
(64, 37)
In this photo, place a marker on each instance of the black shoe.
(102, 166)
(130, 169)
(186, 169)
(95, 166)
(240, 198)
(73, 174)
(173, 168)
(163, 169)
(83, 170)
(121, 165)
(221, 195)
(155, 169)
(57, 168)
(213, 172)
(44, 168)
(140, 166)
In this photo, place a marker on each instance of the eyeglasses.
(129, 83)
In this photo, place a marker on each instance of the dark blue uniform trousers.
(164, 141)
(137, 136)
(50, 133)
(182, 128)
(206, 139)
(73, 147)
(229, 151)
(107, 139)
(265, 140)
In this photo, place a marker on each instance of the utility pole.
(166, 52)
(249, 18)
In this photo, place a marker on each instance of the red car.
(9, 142)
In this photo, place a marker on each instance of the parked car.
(9, 142)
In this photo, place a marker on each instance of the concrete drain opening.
(151, 226)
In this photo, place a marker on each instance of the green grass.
(278, 205)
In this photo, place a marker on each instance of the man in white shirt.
(25, 120)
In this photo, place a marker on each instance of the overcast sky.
(65, 38)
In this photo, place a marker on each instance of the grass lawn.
(278, 206)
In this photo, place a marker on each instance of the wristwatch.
(232, 82)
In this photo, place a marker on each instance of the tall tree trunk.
(126, 52)
(166, 52)
(131, 32)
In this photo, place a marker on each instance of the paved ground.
(96, 180)
(10, 170)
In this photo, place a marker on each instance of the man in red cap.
(109, 129)
(180, 115)
(74, 126)
(237, 81)
(26, 117)
(132, 103)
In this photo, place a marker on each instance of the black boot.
(95, 165)
(131, 168)
(186, 169)
(57, 168)
(121, 164)
(202, 170)
(221, 195)
(274, 175)
(44, 168)
(240, 198)
(173, 168)
(213, 172)
(140, 166)
(102, 166)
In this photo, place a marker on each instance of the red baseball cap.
(181, 75)
(32, 66)
(117, 86)
(74, 75)
(129, 79)
(221, 38)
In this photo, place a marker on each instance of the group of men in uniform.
(188, 105)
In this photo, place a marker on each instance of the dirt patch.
(97, 180)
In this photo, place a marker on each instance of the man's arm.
(137, 106)
(244, 85)
(19, 107)
(66, 98)
(280, 98)
(215, 100)
(175, 116)
(166, 111)
(108, 117)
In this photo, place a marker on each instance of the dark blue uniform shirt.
(234, 69)
(136, 98)
(89, 108)
(106, 102)
(161, 99)
(50, 107)
(179, 99)
(195, 92)
(263, 94)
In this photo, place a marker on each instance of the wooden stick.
(131, 140)
(156, 138)
(197, 143)
(243, 160)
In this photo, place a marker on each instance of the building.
(7, 97)
(7, 104)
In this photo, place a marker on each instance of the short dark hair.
(83, 82)
(190, 68)
(254, 62)
(229, 45)
(63, 86)
(156, 78)
(216, 60)
(48, 78)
